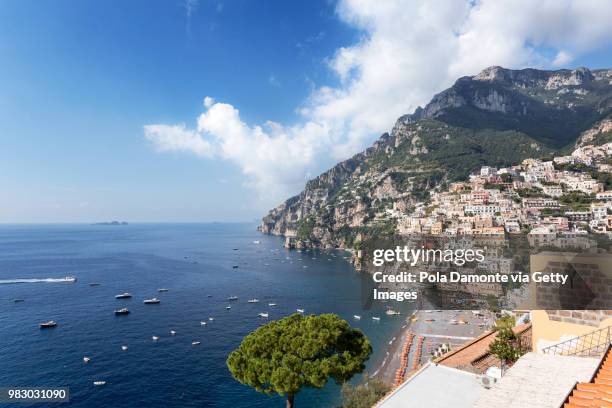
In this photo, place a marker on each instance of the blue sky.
(80, 81)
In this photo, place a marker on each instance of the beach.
(429, 329)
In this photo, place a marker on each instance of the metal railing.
(592, 344)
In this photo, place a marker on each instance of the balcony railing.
(592, 344)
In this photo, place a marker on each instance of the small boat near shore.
(392, 312)
(376, 318)
(356, 317)
(124, 295)
(48, 325)
(299, 310)
(123, 311)
(152, 301)
(264, 315)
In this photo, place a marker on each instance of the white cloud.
(167, 138)
(408, 52)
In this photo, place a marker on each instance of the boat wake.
(67, 279)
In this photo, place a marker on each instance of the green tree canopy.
(285, 355)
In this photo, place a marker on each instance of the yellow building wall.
(546, 332)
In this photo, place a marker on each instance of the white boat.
(231, 298)
(124, 295)
(375, 318)
(263, 315)
(69, 279)
(124, 348)
(86, 359)
(256, 242)
(48, 325)
(254, 300)
(202, 323)
(162, 290)
(152, 301)
(271, 304)
(356, 317)
(228, 307)
(392, 312)
(196, 343)
(172, 332)
(211, 318)
(299, 310)
(155, 338)
(99, 383)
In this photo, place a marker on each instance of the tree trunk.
(290, 400)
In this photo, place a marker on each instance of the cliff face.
(497, 117)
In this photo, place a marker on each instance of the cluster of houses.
(535, 197)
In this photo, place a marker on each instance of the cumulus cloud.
(407, 52)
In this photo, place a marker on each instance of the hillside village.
(556, 202)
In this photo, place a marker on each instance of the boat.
(94, 284)
(392, 312)
(124, 348)
(202, 323)
(254, 300)
(376, 318)
(19, 300)
(196, 343)
(122, 311)
(234, 266)
(257, 242)
(228, 307)
(162, 290)
(69, 279)
(263, 315)
(299, 310)
(86, 359)
(271, 304)
(48, 325)
(99, 383)
(124, 295)
(208, 296)
(152, 301)
(172, 332)
(231, 298)
(356, 317)
(155, 338)
(211, 318)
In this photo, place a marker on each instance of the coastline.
(435, 327)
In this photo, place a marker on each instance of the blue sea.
(193, 261)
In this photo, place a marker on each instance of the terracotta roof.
(474, 355)
(598, 392)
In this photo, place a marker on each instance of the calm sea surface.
(193, 261)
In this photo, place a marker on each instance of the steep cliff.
(497, 117)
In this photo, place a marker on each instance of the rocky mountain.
(498, 118)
